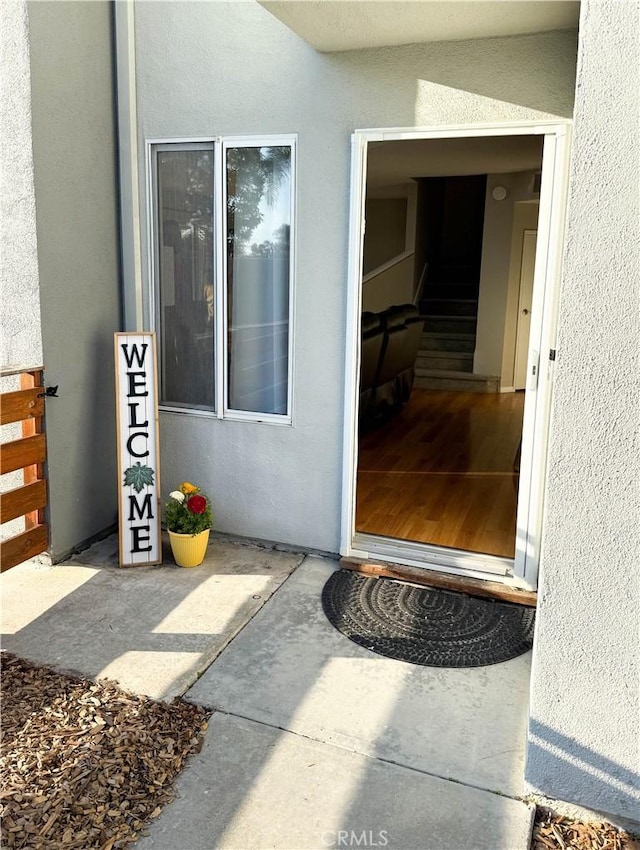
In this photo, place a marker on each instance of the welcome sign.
(138, 454)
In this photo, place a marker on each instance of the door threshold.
(457, 561)
(433, 578)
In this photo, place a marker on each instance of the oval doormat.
(426, 626)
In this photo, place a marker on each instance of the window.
(222, 275)
(185, 255)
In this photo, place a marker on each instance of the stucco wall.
(585, 708)
(75, 183)
(20, 341)
(231, 68)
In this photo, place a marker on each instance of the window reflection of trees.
(258, 277)
(258, 246)
(185, 179)
(253, 175)
(279, 247)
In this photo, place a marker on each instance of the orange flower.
(187, 488)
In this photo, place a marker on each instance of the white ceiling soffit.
(392, 163)
(335, 25)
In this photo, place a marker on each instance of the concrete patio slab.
(291, 669)
(254, 787)
(152, 629)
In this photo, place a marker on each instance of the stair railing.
(374, 273)
(417, 295)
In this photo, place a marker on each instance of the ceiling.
(391, 163)
(336, 25)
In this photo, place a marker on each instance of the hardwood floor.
(441, 472)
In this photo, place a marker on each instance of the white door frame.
(523, 570)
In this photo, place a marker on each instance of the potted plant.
(188, 520)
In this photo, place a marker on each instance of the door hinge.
(552, 354)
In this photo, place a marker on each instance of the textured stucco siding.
(76, 214)
(20, 341)
(231, 68)
(585, 710)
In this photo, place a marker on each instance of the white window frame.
(219, 145)
(153, 304)
(257, 142)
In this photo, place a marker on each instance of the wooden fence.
(29, 453)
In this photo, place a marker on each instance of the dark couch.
(389, 346)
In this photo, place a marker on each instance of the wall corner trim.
(125, 59)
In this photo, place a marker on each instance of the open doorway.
(448, 338)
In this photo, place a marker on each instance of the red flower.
(197, 504)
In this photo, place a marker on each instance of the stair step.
(450, 324)
(438, 379)
(451, 290)
(456, 361)
(449, 306)
(431, 341)
(454, 273)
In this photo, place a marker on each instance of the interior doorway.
(527, 253)
(455, 298)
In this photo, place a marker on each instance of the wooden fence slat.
(21, 404)
(29, 454)
(20, 453)
(23, 500)
(23, 546)
(30, 427)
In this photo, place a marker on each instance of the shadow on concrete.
(290, 670)
(152, 629)
(387, 734)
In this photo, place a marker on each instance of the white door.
(525, 298)
(546, 256)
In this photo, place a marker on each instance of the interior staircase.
(445, 358)
(449, 246)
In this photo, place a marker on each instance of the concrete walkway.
(152, 629)
(314, 741)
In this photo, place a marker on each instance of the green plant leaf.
(138, 477)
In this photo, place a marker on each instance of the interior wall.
(494, 277)
(78, 255)
(392, 286)
(584, 736)
(525, 217)
(492, 326)
(386, 229)
(245, 73)
(390, 221)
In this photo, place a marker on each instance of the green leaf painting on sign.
(138, 477)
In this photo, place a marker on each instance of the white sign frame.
(139, 507)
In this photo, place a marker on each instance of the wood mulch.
(85, 765)
(554, 832)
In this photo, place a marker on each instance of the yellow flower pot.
(189, 549)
